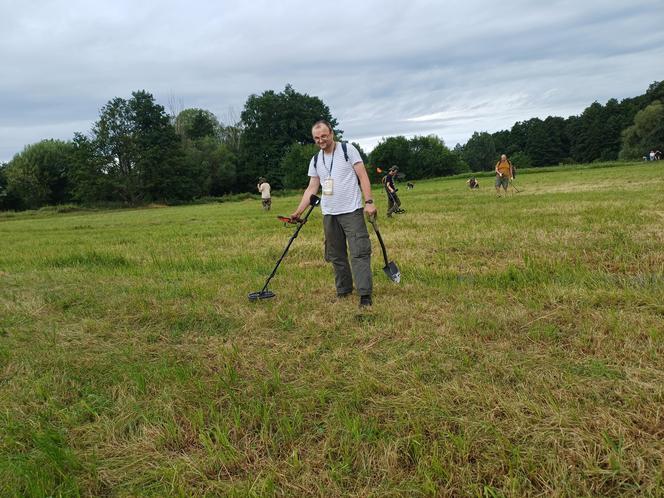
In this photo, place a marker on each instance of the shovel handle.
(374, 224)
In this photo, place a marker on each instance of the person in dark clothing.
(473, 183)
(393, 201)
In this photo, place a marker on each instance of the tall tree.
(140, 151)
(90, 176)
(431, 158)
(480, 152)
(40, 174)
(503, 142)
(646, 134)
(294, 166)
(418, 157)
(391, 151)
(211, 161)
(272, 123)
(8, 200)
(197, 123)
(547, 142)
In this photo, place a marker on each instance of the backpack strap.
(344, 147)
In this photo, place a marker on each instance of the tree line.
(624, 130)
(137, 153)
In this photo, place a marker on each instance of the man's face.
(322, 135)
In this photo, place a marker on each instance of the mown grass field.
(522, 354)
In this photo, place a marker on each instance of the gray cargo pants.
(349, 227)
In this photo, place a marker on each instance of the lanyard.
(329, 175)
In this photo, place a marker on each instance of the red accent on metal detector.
(288, 219)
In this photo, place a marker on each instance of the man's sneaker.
(365, 301)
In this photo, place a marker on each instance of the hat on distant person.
(394, 168)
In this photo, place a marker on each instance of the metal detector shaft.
(391, 194)
(293, 237)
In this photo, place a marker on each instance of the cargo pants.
(351, 229)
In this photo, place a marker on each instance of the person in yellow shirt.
(504, 173)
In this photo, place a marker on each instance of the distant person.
(503, 174)
(265, 189)
(473, 183)
(658, 155)
(393, 201)
(652, 155)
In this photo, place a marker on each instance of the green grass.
(522, 354)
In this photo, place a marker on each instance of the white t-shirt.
(346, 196)
(264, 189)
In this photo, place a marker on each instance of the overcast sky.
(383, 67)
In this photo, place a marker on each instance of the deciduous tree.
(646, 134)
(273, 122)
(40, 174)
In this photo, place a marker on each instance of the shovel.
(390, 269)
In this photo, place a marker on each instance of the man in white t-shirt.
(344, 179)
(264, 188)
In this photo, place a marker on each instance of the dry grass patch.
(520, 356)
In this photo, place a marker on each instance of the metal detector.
(390, 269)
(264, 293)
(398, 210)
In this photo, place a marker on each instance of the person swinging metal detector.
(393, 201)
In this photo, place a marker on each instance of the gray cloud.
(414, 67)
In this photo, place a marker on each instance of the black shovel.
(264, 293)
(390, 269)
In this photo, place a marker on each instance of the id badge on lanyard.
(328, 186)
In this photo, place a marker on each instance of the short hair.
(323, 122)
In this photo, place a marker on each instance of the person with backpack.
(339, 169)
(504, 174)
(393, 201)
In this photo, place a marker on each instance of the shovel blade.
(392, 272)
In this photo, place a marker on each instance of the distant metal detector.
(264, 293)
